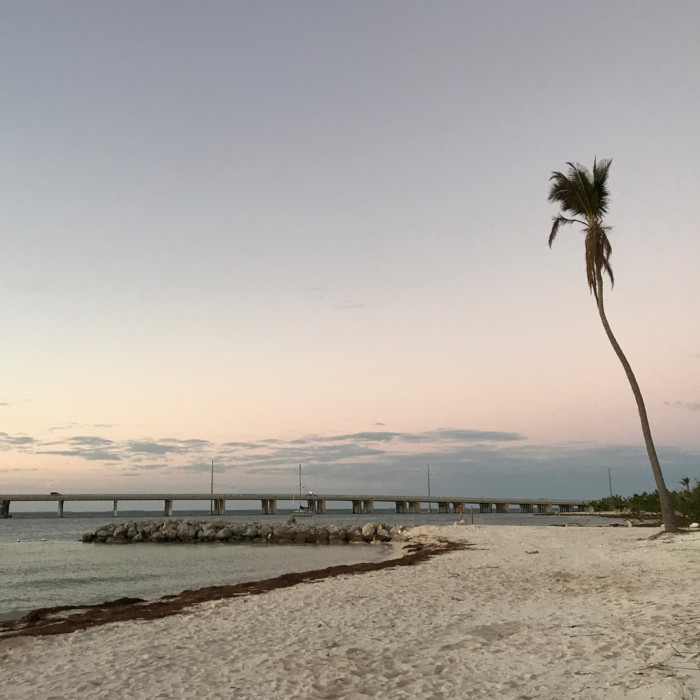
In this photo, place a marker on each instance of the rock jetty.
(289, 532)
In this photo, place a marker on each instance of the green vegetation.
(583, 196)
(686, 503)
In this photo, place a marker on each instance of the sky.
(311, 232)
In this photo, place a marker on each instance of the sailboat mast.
(430, 506)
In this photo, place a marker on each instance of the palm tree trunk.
(667, 513)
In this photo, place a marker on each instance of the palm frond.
(556, 223)
(598, 252)
(607, 252)
(583, 196)
(600, 184)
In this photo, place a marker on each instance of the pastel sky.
(283, 232)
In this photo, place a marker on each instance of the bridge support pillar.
(458, 507)
(586, 509)
(400, 506)
(526, 508)
(317, 505)
(115, 510)
(4, 509)
(60, 508)
(414, 506)
(443, 507)
(368, 506)
(485, 508)
(168, 510)
(503, 507)
(268, 506)
(564, 508)
(219, 506)
(544, 507)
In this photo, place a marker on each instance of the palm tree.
(584, 197)
(685, 482)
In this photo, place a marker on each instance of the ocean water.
(44, 564)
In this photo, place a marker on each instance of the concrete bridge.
(315, 503)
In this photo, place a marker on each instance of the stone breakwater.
(290, 532)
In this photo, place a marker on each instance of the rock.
(694, 525)
(398, 533)
(383, 534)
(223, 534)
(353, 534)
(186, 532)
(284, 536)
(206, 531)
(170, 533)
(300, 536)
(368, 531)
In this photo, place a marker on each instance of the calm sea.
(44, 564)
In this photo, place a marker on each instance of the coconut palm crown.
(584, 196)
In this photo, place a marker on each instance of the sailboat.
(303, 511)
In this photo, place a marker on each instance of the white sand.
(529, 612)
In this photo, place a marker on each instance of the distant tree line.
(685, 501)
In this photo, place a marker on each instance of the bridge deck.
(280, 497)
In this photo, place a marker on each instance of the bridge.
(315, 503)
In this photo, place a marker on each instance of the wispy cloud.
(90, 455)
(350, 305)
(312, 292)
(685, 405)
(268, 452)
(467, 461)
(9, 441)
(166, 446)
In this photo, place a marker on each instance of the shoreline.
(64, 619)
(510, 612)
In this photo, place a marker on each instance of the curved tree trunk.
(667, 513)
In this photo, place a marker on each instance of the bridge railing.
(316, 503)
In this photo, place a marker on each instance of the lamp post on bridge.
(430, 505)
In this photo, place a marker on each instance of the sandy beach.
(519, 612)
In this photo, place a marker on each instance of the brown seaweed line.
(48, 621)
